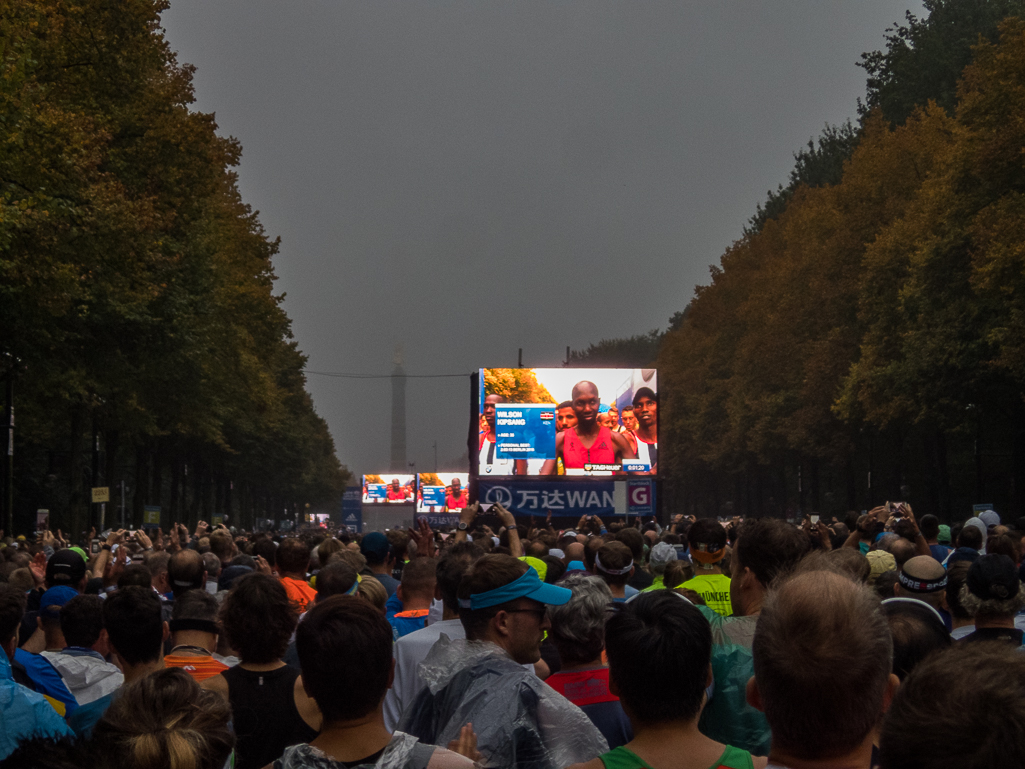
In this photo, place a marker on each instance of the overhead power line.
(338, 375)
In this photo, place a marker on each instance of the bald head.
(186, 571)
(817, 634)
(924, 578)
(584, 388)
(574, 552)
(904, 550)
(924, 567)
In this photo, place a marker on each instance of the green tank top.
(621, 758)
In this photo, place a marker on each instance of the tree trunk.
(852, 484)
(142, 480)
(1017, 479)
(111, 478)
(76, 474)
(816, 500)
(156, 480)
(802, 488)
(228, 500)
(173, 505)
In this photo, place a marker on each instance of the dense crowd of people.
(880, 640)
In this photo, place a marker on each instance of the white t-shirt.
(409, 651)
(644, 451)
(498, 467)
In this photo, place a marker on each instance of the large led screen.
(442, 492)
(567, 421)
(389, 488)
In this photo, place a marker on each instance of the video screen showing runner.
(389, 488)
(567, 421)
(442, 492)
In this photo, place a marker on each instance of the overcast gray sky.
(468, 178)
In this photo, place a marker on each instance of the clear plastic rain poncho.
(403, 752)
(727, 717)
(519, 720)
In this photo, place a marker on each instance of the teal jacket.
(727, 718)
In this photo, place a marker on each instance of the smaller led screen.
(389, 488)
(442, 492)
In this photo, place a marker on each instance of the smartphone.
(94, 546)
(814, 519)
(487, 519)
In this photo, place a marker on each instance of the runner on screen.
(646, 412)
(490, 462)
(589, 442)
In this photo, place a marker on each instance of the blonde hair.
(374, 592)
(327, 548)
(347, 555)
(165, 721)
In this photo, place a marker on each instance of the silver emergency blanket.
(519, 720)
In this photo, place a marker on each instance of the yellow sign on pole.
(101, 494)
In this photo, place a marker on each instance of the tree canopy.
(136, 287)
(873, 326)
(516, 385)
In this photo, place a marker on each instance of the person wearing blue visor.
(481, 680)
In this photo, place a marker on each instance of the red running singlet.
(575, 455)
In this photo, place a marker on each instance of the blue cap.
(229, 575)
(527, 586)
(375, 547)
(55, 596)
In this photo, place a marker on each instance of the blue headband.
(355, 586)
(527, 586)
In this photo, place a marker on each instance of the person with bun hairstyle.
(165, 721)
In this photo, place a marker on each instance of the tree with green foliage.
(136, 287)
(817, 165)
(638, 351)
(924, 57)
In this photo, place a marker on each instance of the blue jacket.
(47, 681)
(91, 680)
(24, 713)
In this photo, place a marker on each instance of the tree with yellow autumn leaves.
(868, 342)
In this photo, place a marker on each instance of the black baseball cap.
(644, 392)
(66, 567)
(993, 577)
